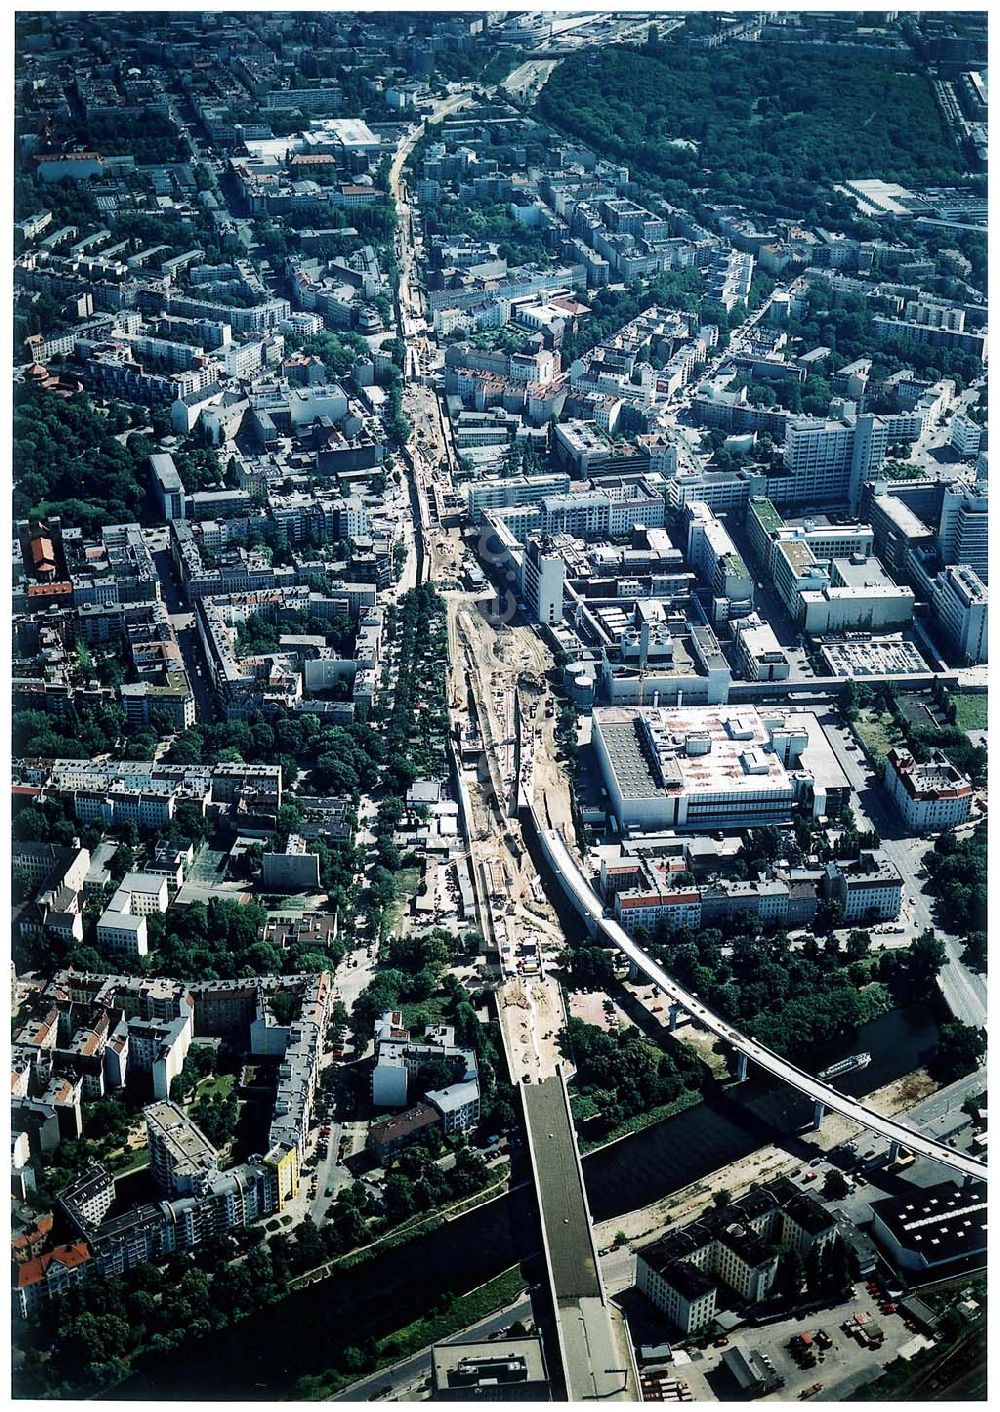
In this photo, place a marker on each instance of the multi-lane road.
(408, 299)
(963, 989)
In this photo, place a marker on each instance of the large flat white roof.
(729, 750)
(351, 132)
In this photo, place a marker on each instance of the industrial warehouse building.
(930, 1227)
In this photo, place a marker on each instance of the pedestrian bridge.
(588, 904)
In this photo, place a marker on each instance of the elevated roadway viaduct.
(571, 879)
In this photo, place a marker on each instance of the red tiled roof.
(39, 1231)
(43, 551)
(571, 306)
(48, 590)
(658, 899)
(32, 1272)
(72, 1256)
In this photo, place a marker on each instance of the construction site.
(491, 707)
(505, 751)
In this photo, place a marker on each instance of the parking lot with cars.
(836, 1355)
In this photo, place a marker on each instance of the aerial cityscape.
(499, 688)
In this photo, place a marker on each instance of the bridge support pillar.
(742, 1067)
(893, 1152)
(675, 1012)
(819, 1113)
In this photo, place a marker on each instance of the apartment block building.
(736, 1246)
(293, 870)
(495, 493)
(180, 1155)
(871, 891)
(711, 551)
(966, 436)
(830, 459)
(89, 1197)
(929, 796)
(458, 1105)
(965, 340)
(123, 933)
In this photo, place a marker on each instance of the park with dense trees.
(611, 308)
(87, 1338)
(76, 733)
(842, 321)
(802, 999)
(261, 633)
(516, 243)
(68, 462)
(340, 759)
(958, 873)
(224, 938)
(769, 127)
(621, 1075)
(414, 722)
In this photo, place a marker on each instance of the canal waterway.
(262, 1357)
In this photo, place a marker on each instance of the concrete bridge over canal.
(594, 1346)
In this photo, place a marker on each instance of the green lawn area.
(215, 1083)
(430, 1011)
(129, 1161)
(278, 906)
(973, 710)
(407, 885)
(877, 732)
(407, 881)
